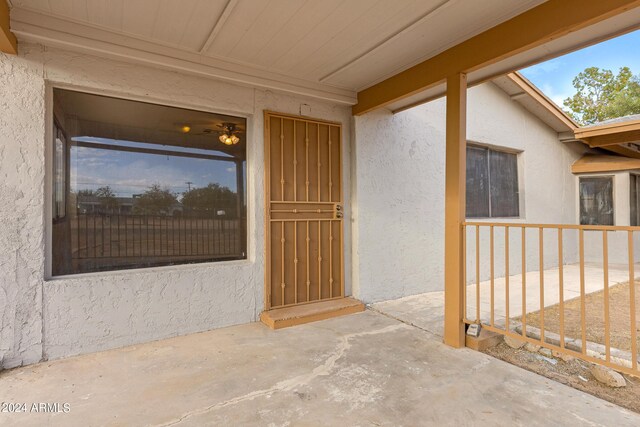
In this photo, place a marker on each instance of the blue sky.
(132, 173)
(554, 77)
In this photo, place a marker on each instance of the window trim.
(637, 177)
(58, 128)
(250, 241)
(520, 173)
(613, 197)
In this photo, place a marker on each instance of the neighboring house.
(336, 206)
(516, 159)
(93, 204)
(523, 166)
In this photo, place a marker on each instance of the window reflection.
(140, 191)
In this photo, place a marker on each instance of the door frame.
(267, 200)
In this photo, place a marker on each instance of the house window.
(139, 185)
(492, 183)
(635, 200)
(596, 200)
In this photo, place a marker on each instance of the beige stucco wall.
(44, 318)
(399, 188)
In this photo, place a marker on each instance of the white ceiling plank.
(338, 42)
(51, 31)
(237, 26)
(75, 8)
(105, 13)
(217, 27)
(433, 9)
(206, 14)
(172, 20)
(42, 5)
(384, 18)
(429, 38)
(264, 28)
(326, 49)
(304, 21)
(317, 36)
(187, 23)
(138, 19)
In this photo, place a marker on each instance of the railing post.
(455, 184)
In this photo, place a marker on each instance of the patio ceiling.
(336, 50)
(329, 49)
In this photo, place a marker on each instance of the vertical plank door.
(304, 221)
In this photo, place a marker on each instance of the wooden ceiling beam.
(8, 42)
(604, 163)
(537, 26)
(623, 151)
(632, 136)
(608, 129)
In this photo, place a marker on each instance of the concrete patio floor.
(359, 370)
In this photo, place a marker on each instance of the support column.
(8, 43)
(455, 187)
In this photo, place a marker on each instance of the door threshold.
(279, 318)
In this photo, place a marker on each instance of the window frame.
(161, 100)
(611, 176)
(57, 129)
(519, 174)
(636, 176)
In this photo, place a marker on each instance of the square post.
(455, 188)
(8, 43)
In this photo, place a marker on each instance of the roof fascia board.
(536, 94)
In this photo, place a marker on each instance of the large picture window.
(138, 185)
(492, 183)
(596, 200)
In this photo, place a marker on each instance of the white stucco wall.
(398, 183)
(399, 188)
(45, 319)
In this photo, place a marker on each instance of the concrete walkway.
(593, 282)
(365, 369)
(426, 311)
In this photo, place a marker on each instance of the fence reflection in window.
(148, 185)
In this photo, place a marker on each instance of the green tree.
(84, 194)
(601, 95)
(205, 201)
(108, 200)
(157, 200)
(627, 102)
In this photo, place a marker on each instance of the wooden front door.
(304, 229)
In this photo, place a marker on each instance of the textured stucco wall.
(399, 187)
(47, 319)
(398, 202)
(21, 217)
